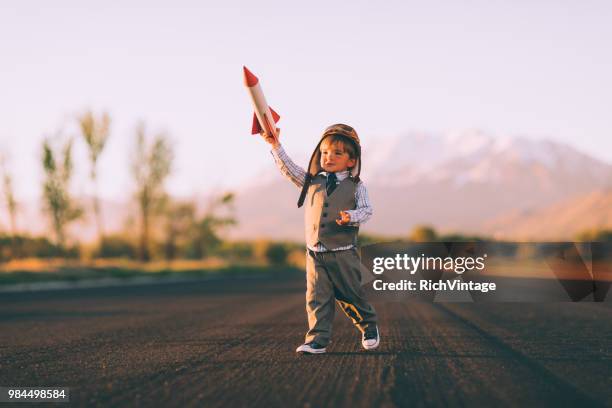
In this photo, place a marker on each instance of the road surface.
(231, 342)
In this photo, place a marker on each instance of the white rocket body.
(264, 118)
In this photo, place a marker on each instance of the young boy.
(336, 204)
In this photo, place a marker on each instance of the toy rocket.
(264, 118)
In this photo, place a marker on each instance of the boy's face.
(334, 157)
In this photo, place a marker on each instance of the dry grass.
(37, 270)
(53, 265)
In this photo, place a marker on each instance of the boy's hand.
(344, 219)
(269, 138)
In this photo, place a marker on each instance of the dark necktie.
(331, 183)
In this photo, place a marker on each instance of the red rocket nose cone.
(249, 79)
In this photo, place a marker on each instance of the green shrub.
(37, 247)
(277, 254)
(595, 235)
(115, 246)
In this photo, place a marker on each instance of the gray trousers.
(334, 276)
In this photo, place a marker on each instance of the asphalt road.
(231, 343)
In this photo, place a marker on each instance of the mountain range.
(468, 182)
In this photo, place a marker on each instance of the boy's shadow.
(359, 353)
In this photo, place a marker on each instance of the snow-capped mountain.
(475, 157)
(457, 181)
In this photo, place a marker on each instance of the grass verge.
(79, 273)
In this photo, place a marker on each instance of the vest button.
(326, 205)
(325, 214)
(322, 225)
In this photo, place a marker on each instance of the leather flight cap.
(314, 166)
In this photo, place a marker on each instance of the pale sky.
(538, 69)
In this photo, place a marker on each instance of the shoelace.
(370, 334)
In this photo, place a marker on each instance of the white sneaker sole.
(304, 349)
(373, 346)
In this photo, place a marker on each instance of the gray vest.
(323, 210)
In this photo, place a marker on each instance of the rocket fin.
(275, 115)
(256, 126)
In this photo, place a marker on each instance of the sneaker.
(311, 348)
(371, 338)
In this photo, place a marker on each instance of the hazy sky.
(541, 69)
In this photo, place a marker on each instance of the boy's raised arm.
(287, 167)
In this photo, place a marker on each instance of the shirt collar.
(341, 175)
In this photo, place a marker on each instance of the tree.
(9, 196)
(58, 204)
(180, 222)
(151, 165)
(423, 233)
(95, 132)
(206, 236)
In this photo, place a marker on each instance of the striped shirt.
(297, 175)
